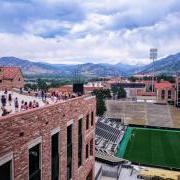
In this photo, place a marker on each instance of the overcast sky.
(98, 31)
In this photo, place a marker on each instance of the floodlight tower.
(177, 90)
(153, 57)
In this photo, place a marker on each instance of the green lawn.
(153, 147)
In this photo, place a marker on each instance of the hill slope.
(168, 65)
(28, 67)
(88, 69)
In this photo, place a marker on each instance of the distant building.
(142, 76)
(91, 86)
(11, 77)
(165, 92)
(62, 89)
(177, 100)
(88, 88)
(132, 89)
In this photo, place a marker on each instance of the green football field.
(151, 147)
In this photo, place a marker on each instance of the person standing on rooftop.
(10, 99)
(3, 100)
(16, 104)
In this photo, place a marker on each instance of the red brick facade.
(18, 130)
(11, 77)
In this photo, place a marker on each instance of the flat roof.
(21, 97)
(27, 98)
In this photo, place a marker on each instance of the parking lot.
(144, 113)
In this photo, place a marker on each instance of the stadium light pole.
(153, 57)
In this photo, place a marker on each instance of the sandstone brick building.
(55, 142)
(11, 77)
(69, 88)
(165, 92)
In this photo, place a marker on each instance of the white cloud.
(80, 31)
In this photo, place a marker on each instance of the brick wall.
(16, 131)
(17, 82)
(165, 99)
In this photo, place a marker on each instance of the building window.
(19, 79)
(163, 94)
(0, 81)
(87, 122)
(34, 163)
(169, 94)
(80, 143)
(91, 147)
(69, 152)
(92, 118)
(6, 171)
(89, 176)
(87, 149)
(55, 156)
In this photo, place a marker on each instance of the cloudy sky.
(79, 31)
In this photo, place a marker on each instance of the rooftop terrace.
(27, 102)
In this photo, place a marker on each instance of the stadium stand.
(109, 133)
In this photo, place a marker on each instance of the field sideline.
(153, 147)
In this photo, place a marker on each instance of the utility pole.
(153, 57)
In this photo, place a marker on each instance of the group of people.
(7, 105)
(57, 96)
(54, 96)
(30, 105)
(22, 105)
(42, 94)
(4, 98)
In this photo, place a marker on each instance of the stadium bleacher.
(109, 133)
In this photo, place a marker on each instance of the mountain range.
(168, 65)
(30, 68)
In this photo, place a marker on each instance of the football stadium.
(151, 147)
(136, 151)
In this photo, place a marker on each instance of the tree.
(121, 93)
(101, 95)
(34, 87)
(118, 91)
(171, 79)
(27, 86)
(114, 90)
(100, 107)
(55, 84)
(133, 79)
(42, 85)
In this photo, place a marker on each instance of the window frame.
(87, 151)
(92, 147)
(53, 132)
(87, 121)
(8, 158)
(92, 118)
(70, 123)
(81, 119)
(32, 144)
